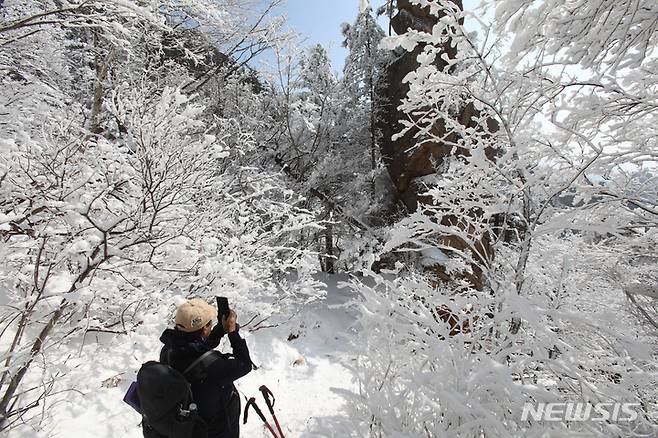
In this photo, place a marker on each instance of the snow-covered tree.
(363, 70)
(311, 135)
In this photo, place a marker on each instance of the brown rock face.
(403, 166)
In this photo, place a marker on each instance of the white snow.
(433, 256)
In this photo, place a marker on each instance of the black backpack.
(165, 399)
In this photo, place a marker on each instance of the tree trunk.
(373, 130)
(329, 248)
(36, 349)
(102, 64)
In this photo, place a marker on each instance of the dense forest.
(488, 199)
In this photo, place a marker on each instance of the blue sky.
(320, 20)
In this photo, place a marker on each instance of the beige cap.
(193, 314)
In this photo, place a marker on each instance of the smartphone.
(222, 307)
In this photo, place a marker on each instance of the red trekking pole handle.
(270, 405)
(252, 402)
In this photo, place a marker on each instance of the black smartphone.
(222, 307)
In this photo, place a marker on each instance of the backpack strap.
(198, 369)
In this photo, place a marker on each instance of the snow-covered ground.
(303, 373)
(305, 360)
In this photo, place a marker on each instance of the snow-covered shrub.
(415, 380)
(100, 232)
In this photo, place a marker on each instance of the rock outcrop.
(406, 167)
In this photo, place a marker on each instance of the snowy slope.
(306, 404)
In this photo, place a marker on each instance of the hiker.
(215, 395)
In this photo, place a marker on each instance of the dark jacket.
(216, 397)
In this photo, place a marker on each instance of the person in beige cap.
(214, 393)
(194, 315)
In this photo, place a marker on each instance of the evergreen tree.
(364, 66)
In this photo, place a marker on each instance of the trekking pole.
(270, 405)
(252, 402)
